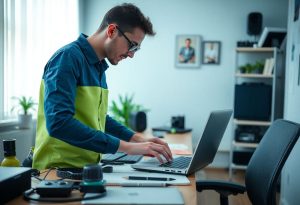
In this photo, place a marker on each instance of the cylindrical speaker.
(254, 25)
(138, 121)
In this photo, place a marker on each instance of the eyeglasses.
(132, 46)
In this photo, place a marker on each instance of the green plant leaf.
(121, 111)
(24, 103)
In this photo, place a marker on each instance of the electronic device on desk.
(136, 195)
(171, 130)
(13, 182)
(77, 173)
(60, 190)
(158, 133)
(129, 159)
(138, 121)
(204, 153)
(177, 126)
(272, 37)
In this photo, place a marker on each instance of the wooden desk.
(189, 192)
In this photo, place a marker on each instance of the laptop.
(205, 151)
(138, 195)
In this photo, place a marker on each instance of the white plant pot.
(25, 121)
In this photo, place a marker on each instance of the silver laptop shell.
(138, 195)
(205, 151)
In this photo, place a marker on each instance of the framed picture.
(187, 52)
(211, 52)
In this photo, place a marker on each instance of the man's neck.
(97, 42)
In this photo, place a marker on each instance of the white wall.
(290, 175)
(151, 74)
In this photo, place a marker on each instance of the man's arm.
(59, 108)
(115, 128)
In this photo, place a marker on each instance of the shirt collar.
(89, 52)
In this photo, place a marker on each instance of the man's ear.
(111, 30)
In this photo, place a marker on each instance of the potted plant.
(24, 118)
(252, 68)
(122, 110)
(258, 67)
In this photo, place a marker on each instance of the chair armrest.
(220, 186)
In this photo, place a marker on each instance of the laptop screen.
(211, 138)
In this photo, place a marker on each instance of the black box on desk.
(242, 157)
(252, 101)
(13, 182)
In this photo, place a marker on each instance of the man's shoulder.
(71, 50)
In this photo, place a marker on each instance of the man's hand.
(153, 147)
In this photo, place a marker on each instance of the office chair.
(264, 167)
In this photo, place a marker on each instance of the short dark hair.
(127, 16)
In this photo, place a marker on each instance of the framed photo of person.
(211, 52)
(187, 51)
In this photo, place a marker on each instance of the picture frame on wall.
(211, 52)
(187, 52)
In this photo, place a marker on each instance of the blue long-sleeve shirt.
(73, 124)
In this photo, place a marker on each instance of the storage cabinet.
(258, 100)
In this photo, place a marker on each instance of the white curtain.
(33, 31)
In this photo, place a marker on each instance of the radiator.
(24, 140)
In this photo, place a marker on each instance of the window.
(33, 31)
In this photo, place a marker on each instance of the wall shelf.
(252, 75)
(251, 49)
(252, 122)
(236, 166)
(244, 144)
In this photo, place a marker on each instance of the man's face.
(117, 47)
(187, 43)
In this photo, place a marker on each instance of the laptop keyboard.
(179, 163)
(129, 159)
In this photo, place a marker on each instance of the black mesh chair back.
(267, 161)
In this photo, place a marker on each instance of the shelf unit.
(276, 80)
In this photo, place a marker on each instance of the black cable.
(76, 173)
(114, 160)
(49, 170)
(27, 194)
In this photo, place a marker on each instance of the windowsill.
(8, 125)
(10, 122)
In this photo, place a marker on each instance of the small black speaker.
(254, 25)
(138, 121)
(177, 122)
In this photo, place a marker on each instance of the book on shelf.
(267, 62)
(269, 66)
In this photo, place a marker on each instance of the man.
(210, 53)
(187, 53)
(73, 126)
